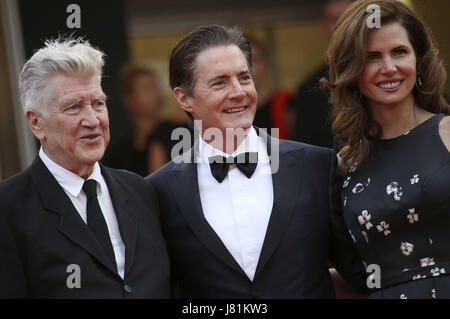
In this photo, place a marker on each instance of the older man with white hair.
(70, 227)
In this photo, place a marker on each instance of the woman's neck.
(397, 119)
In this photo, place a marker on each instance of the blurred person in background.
(309, 110)
(160, 143)
(143, 100)
(272, 102)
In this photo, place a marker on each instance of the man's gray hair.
(64, 56)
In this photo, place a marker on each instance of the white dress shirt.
(239, 208)
(72, 184)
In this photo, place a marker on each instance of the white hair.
(63, 56)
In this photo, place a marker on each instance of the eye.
(218, 84)
(72, 108)
(400, 52)
(99, 104)
(246, 78)
(372, 57)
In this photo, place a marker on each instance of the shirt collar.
(69, 181)
(249, 144)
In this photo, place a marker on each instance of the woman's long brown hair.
(352, 125)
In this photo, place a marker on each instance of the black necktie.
(95, 219)
(245, 162)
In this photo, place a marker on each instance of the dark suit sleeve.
(174, 285)
(12, 275)
(343, 253)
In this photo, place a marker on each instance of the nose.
(237, 92)
(90, 117)
(388, 66)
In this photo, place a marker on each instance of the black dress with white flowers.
(397, 208)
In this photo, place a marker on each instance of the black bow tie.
(245, 162)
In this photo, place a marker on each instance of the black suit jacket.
(312, 112)
(41, 234)
(304, 231)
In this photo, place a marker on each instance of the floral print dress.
(396, 206)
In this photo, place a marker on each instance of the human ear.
(35, 120)
(183, 99)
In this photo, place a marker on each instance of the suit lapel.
(286, 181)
(122, 206)
(286, 184)
(71, 224)
(184, 186)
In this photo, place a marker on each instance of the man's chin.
(241, 125)
(91, 157)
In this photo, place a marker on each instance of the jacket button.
(127, 288)
(256, 295)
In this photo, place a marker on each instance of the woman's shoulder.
(444, 131)
(342, 166)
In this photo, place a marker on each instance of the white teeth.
(389, 85)
(234, 110)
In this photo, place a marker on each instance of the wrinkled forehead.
(60, 87)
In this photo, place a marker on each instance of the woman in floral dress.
(390, 118)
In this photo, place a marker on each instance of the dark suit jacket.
(304, 231)
(312, 112)
(41, 234)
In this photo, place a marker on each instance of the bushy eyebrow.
(401, 46)
(223, 76)
(76, 100)
(101, 97)
(70, 101)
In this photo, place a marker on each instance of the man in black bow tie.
(244, 214)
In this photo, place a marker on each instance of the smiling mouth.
(390, 85)
(90, 137)
(235, 109)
